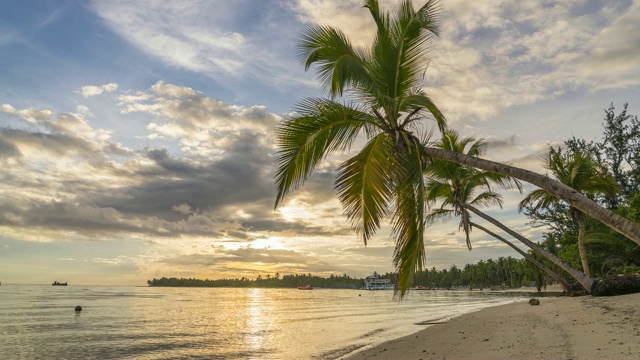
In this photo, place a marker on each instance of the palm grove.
(400, 173)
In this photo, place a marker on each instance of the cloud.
(74, 182)
(91, 90)
(8, 150)
(6, 108)
(247, 257)
(493, 56)
(177, 33)
(212, 38)
(349, 16)
(204, 126)
(614, 51)
(29, 115)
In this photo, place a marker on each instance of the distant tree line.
(276, 281)
(508, 272)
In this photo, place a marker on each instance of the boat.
(56, 283)
(374, 282)
(305, 287)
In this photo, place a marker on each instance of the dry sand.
(559, 328)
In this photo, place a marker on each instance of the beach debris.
(617, 285)
(534, 302)
(78, 308)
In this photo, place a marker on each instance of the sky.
(137, 137)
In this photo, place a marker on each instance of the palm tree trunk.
(531, 259)
(572, 197)
(584, 280)
(582, 229)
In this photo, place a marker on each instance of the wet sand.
(559, 328)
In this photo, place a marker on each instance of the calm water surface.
(39, 322)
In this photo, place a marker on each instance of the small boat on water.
(305, 287)
(56, 283)
(375, 282)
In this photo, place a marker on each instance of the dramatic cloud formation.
(146, 149)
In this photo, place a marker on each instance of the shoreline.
(559, 328)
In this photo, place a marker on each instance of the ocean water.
(39, 322)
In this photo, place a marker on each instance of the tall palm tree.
(583, 174)
(454, 186)
(382, 98)
(384, 102)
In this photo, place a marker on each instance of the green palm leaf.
(409, 219)
(323, 127)
(437, 215)
(365, 185)
(339, 63)
(415, 104)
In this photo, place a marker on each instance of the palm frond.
(339, 62)
(428, 16)
(437, 215)
(365, 185)
(487, 198)
(409, 219)
(602, 238)
(416, 103)
(503, 181)
(577, 170)
(398, 55)
(322, 128)
(439, 191)
(381, 19)
(537, 199)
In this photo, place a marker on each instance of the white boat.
(374, 282)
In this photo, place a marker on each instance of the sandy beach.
(559, 328)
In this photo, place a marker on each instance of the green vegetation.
(507, 272)
(504, 271)
(580, 171)
(286, 281)
(594, 168)
(460, 188)
(380, 88)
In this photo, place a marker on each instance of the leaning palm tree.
(381, 93)
(583, 174)
(586, 281)
(386, 104)
(575, 199)
(454, 186)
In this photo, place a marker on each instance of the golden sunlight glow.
(268, 243)
(320, 214)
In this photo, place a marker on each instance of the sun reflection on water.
(170, 323)
(255, 320)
